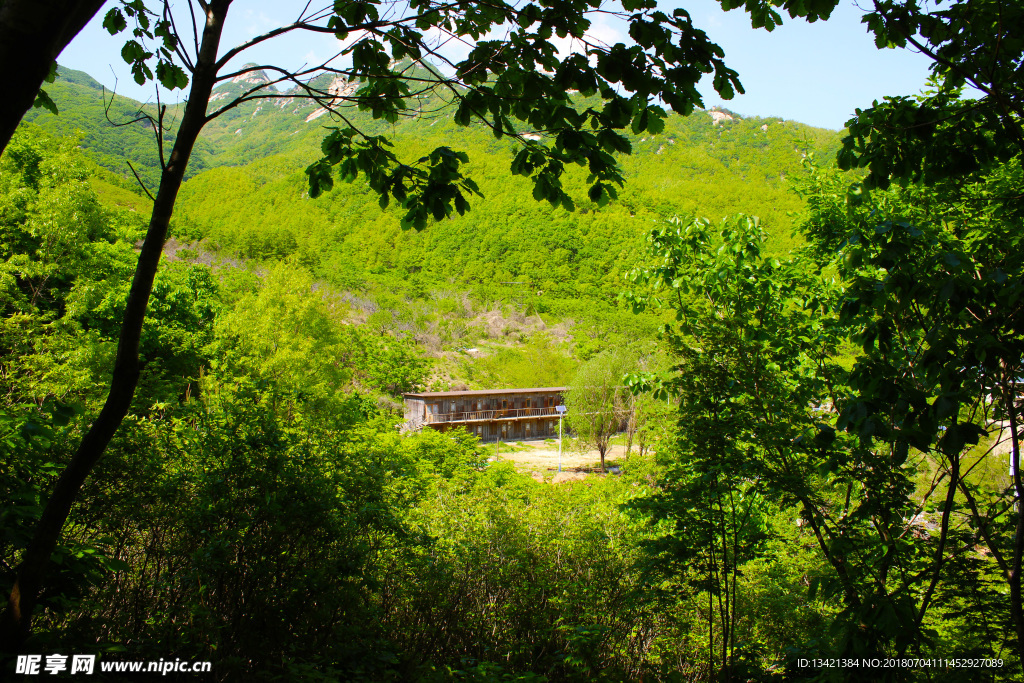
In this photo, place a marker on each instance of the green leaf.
(43, 101)
(114, 21)
(171, 76)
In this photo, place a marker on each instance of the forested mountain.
(247, 195)
(111, 128)
(260, 210)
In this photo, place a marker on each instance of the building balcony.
(490, 415)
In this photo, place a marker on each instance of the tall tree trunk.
(17, 616)
(32, 34)
(1017, 556)
(630, 425)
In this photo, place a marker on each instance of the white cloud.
(256, 23)
(602, 33)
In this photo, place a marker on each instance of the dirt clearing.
(539, 459)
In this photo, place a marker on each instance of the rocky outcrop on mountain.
(339, 89)
(282, 119)
(251, 78)
(245, 83)
(718, 116)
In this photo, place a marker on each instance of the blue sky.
(814, 73)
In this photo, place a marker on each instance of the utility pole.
(561, 413)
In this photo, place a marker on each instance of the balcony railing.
(476, 415)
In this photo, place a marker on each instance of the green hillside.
(247, 195)
(261, 210)
(247, 198)
(113, 130)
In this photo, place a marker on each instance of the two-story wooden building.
(493, 415)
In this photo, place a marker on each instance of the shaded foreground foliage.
(773, 422)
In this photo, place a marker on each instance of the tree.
(519, 79)
(871, 457)
(655, 421)
(597, 402)
(933, 268)
(934, 284)
(941, 134)
(938, 134)
(710, 492)
(33, 33)
(644, 413)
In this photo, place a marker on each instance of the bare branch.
(159, 128)
(178, 49)
(195, 27)
(141, 184)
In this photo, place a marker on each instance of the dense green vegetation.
(818, 404)
(261, 211)
(274, 473)
(111, 127)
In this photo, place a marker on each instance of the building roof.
(484, 392)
